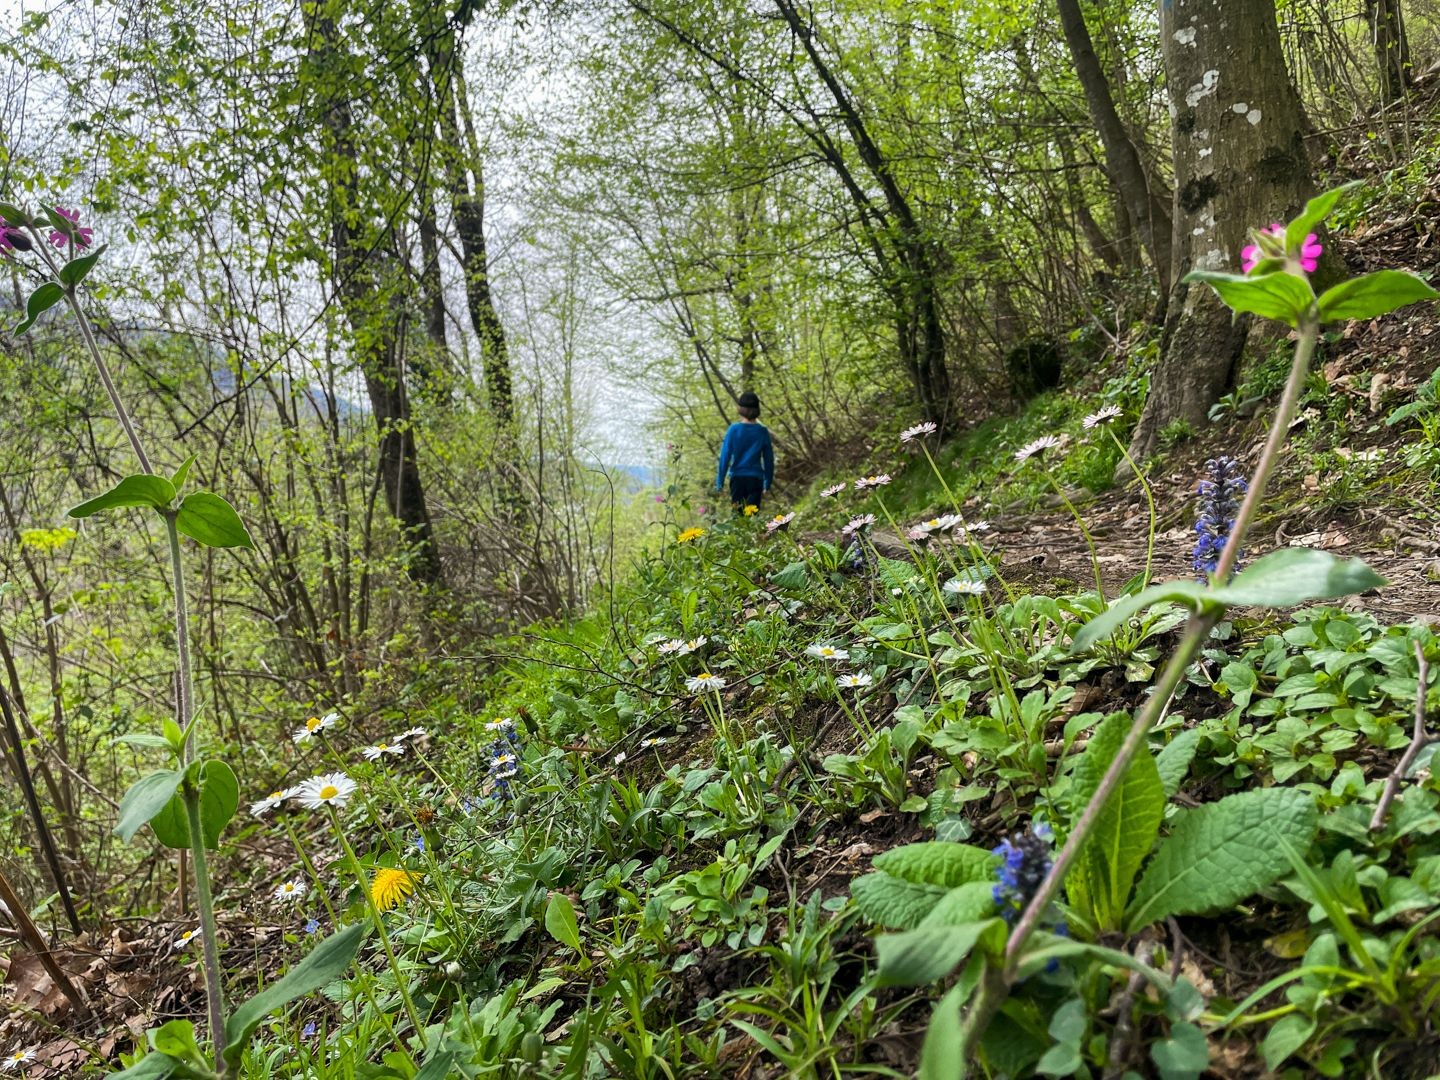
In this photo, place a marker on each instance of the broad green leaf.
(1316, 211)
(41, 301)
(183, 473)
(1221, 853)
(1281, 295)
(963, 904)
(438, 1067)
(146, 798)
(177, 1040)
(142, 489)
(1173, 762)
(1099, 881)
(1285, 1036)
(938, 862)
(793, 577)
(206, 517)
(1293, 576)
(941, 1055)
(58, 221)
(1120, 612)
(1374, 294)
(219, 799)
(1184, 1055)
(893, 902)
(325, 963)
(560, 921)
(144, 738)
(171, 824)
(13, 215)
(75, 271)
(919, 957)
(150, 1067)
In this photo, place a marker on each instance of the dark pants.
(746, 491)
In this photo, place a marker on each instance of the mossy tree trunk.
(1240, 162)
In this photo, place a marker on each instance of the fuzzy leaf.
(1100, 879)
(919, 957)
(938, 862)
(142, 489)
(1280, 295)
(1173, 762)
(1221, 853)
(1373, 294)
(893, 902)
(963, 904)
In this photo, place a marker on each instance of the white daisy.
(665, 648)
(1102, 416)
(854, 682)
(856, 524)
(704, 682)
(15, 1060)
(918, 533)
(328, 789)
(1039, 447)
(185, 938)
(503, 766)
(412, 733)
(879, 480)
(658, 740)
(687, 647)
(380, 749)
(833, 489)
(964, 587)
(504, 724)
(291, 890)
(947, 521)
(620, 757)
(261, 807)
(779, 521)
(827, 652)
(928, 427)
(312, 727)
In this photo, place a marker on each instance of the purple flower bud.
(15, 238)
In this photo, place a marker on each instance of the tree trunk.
(1392, 48)
(1122, 158)
(1240, 162)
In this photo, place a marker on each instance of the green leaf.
(58, 221)
(171, 824)
(219, 799)
(1107, 622)
(1221, 853)
(325, 963)
(1374, 294)
(1293, 576)
(1184, 1055)
(793, 577)
(1316, 211)
(938, 862)
(894, 902)
(150, 1067)
(177, 1040)
(144, 738)
(941, 1056)
(1173, 762)
(13, 215)
(41, 301)
(1280, 295)
(146, 798)
(1100, 879)
(206, 517)
(438, 1067)
(963, 904)
(75, 271)
(1287, 1035)
(919, 957)
(560, 921)
(142, 489)
(183, 473)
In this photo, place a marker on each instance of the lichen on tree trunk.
(1240, 162)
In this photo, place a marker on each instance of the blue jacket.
(746, 451)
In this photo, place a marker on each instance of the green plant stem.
(1080, 521)
(185, 698)
(214, 989)
(1149, 502)
(997, 982)
(378, 919)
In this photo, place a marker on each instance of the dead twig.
(36, 940)
(1418, 739)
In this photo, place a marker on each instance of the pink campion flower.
(1310, 252)
(1251, 254)
(83, 236)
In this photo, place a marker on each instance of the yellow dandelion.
(751, 510)
(390, 886)
(692, 533)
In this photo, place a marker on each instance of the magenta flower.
(1251, 254)
(82, 235)
(1310, 252)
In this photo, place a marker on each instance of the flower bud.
(17, 239)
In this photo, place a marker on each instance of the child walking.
(747, 455)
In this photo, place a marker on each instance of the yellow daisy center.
(329, 791)
(312, 723)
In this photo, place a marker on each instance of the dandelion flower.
(1100, 417)
(704, 682)
(692, 533)
(779, 521)
(290, 890)
(854, 525)
(328, 789)
(855, 681)
(827, 652)
(964, 587)
(832, 490)
(312, 727)
(928, 427)
(16, 1059)
(750, 510)
(261, 807)
(185, 938)
(1039, 447)
(390, 886)
(380, 749)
